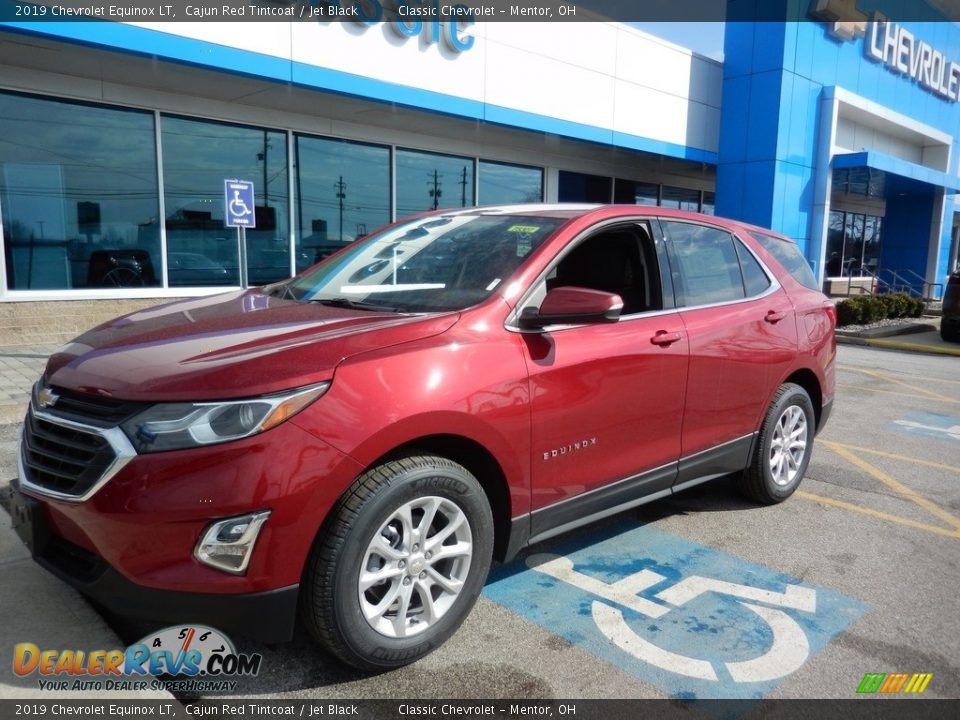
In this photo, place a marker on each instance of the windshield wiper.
(343, 302)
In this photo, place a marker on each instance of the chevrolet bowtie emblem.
(47, 397)
(846, 19)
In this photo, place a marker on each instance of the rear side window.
(755, 280)
(704, 264)
(788, 255)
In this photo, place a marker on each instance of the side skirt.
(628, 493)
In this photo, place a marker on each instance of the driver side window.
(620, 260)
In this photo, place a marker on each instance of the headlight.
(175, 426)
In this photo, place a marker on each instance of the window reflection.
(428, 181)
(342, 191)
(707, 207)
(580, 187)
(705, 264)
(680, 198)
(197, 157)
(853, 244)
(78, 188)
(629, 192)
(502, 184)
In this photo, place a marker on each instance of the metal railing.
(926, 288)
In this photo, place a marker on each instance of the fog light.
(228, 544)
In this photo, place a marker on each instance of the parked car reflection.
(186, 268)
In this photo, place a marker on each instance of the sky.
(705, 38)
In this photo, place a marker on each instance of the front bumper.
(267, 616)
(130, 545)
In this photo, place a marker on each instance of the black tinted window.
(755, 280)
(704, 264)
(788, 255)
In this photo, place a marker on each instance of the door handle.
(664, 338)
(774, 316)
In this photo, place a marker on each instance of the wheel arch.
(807, 379)
(482, 465)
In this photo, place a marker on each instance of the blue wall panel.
(764, 113)
(792, 65)
(906, 231)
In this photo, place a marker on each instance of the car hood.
(241, 344)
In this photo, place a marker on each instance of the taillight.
(831, 313)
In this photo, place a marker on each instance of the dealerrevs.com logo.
(894, 683)
(190, 658)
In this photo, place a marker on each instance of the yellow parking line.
(895, 456)
(823, 500)
(901, 394)
(915, 388)
(921, 377)
(895, 485)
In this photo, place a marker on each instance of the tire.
(774, 474)
(949, 333)
(411, 598)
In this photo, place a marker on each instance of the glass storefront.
(78, 192)
(680, 198)
(197, 157)
(853, 244)
(429, 181)
(631, 192)
(580, 187)
(503, 184)
(342, 192)
(84, 205)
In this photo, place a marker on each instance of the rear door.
(606, 398)
(742, 336)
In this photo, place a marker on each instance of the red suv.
(359, 441)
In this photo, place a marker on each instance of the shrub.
(917, 308)
(874, 309)
(897, 305)
(866, 309)
(849, 312)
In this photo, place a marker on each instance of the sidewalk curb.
(897, 345)
(913, 347)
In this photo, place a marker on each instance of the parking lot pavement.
(19, 369)
(701, 594)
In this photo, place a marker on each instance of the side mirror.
(572, 306)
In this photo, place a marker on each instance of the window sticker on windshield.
(524, 241)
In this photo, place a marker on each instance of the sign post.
(239, 212)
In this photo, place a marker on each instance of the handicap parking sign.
(238, 201)
(694, 621)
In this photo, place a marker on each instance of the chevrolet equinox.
(354, 445)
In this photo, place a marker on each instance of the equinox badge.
(572, 448)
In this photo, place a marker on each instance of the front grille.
(92, 409)
(63, 459)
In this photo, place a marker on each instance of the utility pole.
(435, 191)
(262, 157)
(341, 187)
(463, 187)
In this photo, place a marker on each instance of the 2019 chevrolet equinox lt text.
(357, 443)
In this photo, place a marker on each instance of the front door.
(607, 398)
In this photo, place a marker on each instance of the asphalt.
(58, 617)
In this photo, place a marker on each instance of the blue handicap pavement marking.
(694, 621)
(941, 427)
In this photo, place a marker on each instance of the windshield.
(429, 264)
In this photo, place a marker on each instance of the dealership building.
(116, 139)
